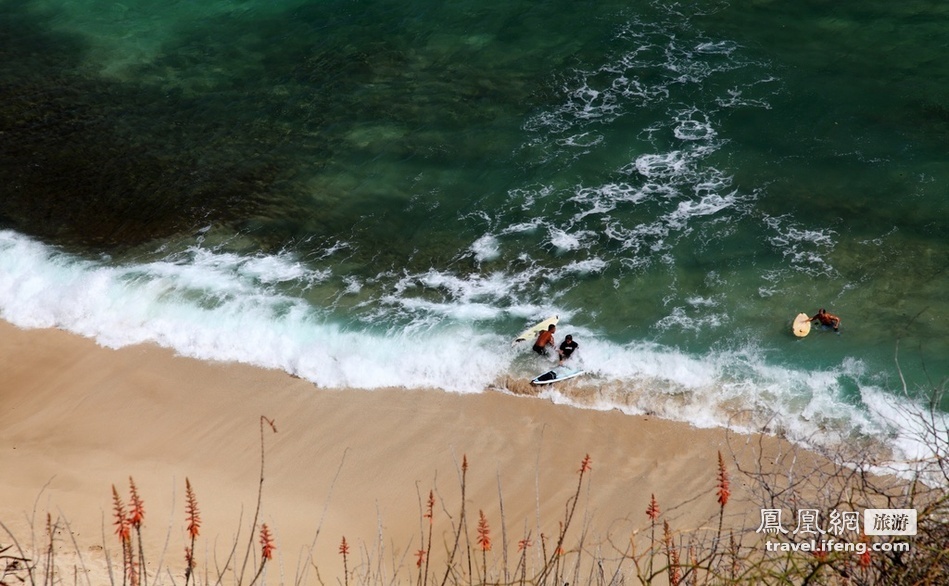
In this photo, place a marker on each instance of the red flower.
(585, 464)
(344, 547)
(430, 506)
(484, 533)
(192, 516)
(420, 558)
(723, 486)
(864, 559)
(137, 514)
(121, 521)
(652, 511)
(266, 543)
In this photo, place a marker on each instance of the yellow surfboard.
(802, 325)
(531, 332)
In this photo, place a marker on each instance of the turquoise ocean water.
(380, 193)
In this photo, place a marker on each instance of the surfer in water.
(545, 339)
(827, 319)
(567, 348)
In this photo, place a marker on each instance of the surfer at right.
(567, 348)
(827, 319)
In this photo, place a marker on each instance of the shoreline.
(78, 418)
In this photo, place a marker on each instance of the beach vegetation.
(650, 547)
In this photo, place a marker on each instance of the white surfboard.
(531, 332)
(802, 325)
(560, 373)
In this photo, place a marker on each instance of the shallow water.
(379, 193)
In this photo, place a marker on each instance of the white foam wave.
(444, 294)
(586, 267)
(680, 318)
(690, 129)
(522, 227)
(661, 164)
(806, 249)
(739, 388)
(582, 140)
(486, 248)
(736, 99)
(706, 206)
(653, 64)
(913, 430)
(717, 47)
(566, 241)
(220, 307)
(224, 307)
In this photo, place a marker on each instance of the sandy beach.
(76, 418)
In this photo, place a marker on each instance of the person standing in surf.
(827, 319)
(545, 339)
(567, 348)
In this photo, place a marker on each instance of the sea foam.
(223, 307)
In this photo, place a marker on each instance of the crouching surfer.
(545, 340)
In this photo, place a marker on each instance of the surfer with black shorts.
(567, 348)
(827, 319)
(545, 339)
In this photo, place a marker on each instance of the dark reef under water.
(229, 123)
(95, 162)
